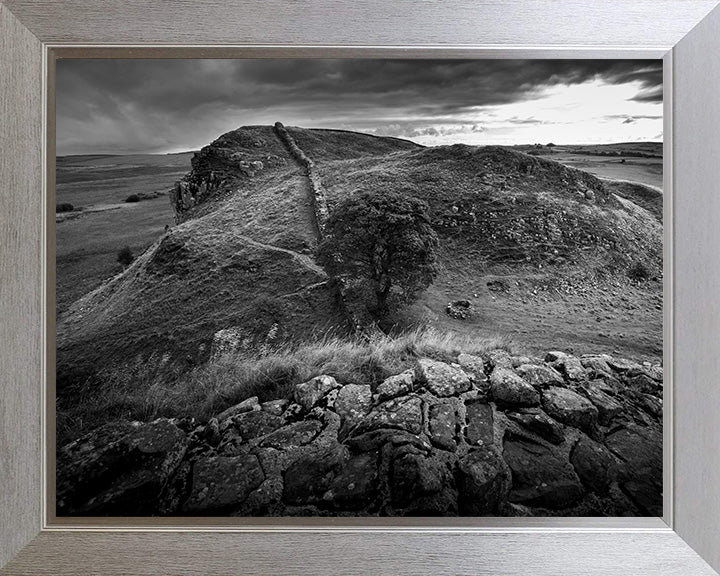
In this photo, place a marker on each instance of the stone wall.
(318, 195)
(321, 212)
(490, 435)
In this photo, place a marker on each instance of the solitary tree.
(383, 240)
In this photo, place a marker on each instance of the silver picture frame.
(684, 33)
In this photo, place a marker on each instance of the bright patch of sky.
(594, 112)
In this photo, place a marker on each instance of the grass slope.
(87, 241)
(542, 251)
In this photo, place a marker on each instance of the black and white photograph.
(358, 288)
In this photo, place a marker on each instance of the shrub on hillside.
(382, 241)
(64, 207)
(638, 271)
(125, 256)
(132, 198)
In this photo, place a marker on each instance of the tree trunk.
(382, 304)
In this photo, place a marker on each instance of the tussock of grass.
(145, 390)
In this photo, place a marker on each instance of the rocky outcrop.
(224, 164)
(192, 190)
(489, 435)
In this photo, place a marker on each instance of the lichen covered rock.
(428, 442)
(508, 388)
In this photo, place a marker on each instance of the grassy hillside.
(241, 264)
(88, 239)
(507, 208)
(541, 250)
(342, 145)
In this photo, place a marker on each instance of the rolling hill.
(541, 250)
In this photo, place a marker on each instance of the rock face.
(564, 436)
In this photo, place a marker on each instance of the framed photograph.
(441, 302)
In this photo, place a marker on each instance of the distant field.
(87, 242)
(614, 161)
(645, 171)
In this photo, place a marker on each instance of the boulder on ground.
(480, 429)
(244, 406)
(572, 367)
(509, 389)
(397, 385)
(594, 465)
(356, 485)
(540, 476)
(639, 449)
(539, 376)
(538, 422)
(645, 385)
(403, 413)
(221, 484)
(442, 424)
(475, 366)
(442, 379)
(607, 407)
(472, 364)
(353, 402)
(596, 365)
(570, 408)
(422, 485)
(310, 476)
(118, 469)
(309, 393)
(621, 364)
(554, 356)
(499, 359)
(483, 480)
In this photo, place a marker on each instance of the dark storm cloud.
(156, 105)
(650, 94)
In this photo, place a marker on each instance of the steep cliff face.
(492, 435)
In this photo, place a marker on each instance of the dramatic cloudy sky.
(134, 106)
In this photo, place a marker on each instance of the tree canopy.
(384, 241)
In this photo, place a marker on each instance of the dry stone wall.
(490, 435)
(318, 195)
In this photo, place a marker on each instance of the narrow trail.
(304, 289)
(303, 259)
(633, 182)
